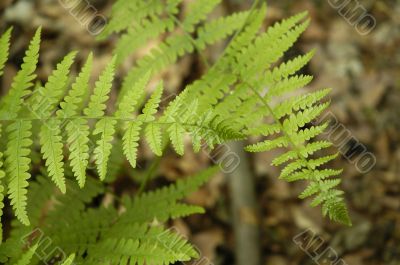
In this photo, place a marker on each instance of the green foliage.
(86, 233)
(248, 93)
(42, 109)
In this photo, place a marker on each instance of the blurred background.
(357, 54)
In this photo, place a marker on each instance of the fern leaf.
(161, 204)
(304, 135)
(77, 129)
(2, 189)
(130, 141)
(129, 102)
(269, 41)
(101, 92)
(153, 246)
(292, 66)
(264, 129)
(311, 148)
(198, 12)
(27, 256)
(78, 140)
(301, 118)
(106, 129)
(138, 35)
(289, 85)
(313, 163)
(17, 166)
(154, 138)
(70, 105)
(11, 104)
(4, 49)
(299, 103)
(49, 96)
(337, 212)
(176, 134)
(292, 167)
(268, 145)
(290, 155)
(125, 13)
(219, 28)
(69, 260)
(152, 104)
(52, 150)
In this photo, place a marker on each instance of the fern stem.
(94, 118)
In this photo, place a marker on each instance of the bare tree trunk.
(244, 210)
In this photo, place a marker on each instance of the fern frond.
(125, 13)
(161, 204)
(149, 245)
(27, 256)
(78, 140)
(176, 134)
(198, 12)
(2, 189)
(154, 138)
(219, 28)
(17, 166)
(268, 145)
(48, 97)
(69, 260)
(129, 103)
(296, 103)
(11, 104)
(97, 106)
(130, 42)
(130, 141)
(106, 129)
(4, 48)
(290, 116)
(52, 150)
(77, 129)
(71, 102)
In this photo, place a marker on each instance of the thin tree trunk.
(244, 209)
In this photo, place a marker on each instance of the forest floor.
(363, 68)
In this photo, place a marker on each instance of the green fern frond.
(78, 140)
(129, 103)
(17, 166)
(77, 129)
(290, 116)
(2, 189)
(198, 12)
(154, 138)
(147, 30)
(47, 97)
(106, 129)
(125, 13)
(151, 245)
(243, 90)
(176, 134)
(97, 106)
(130, 141)
(219, 28)
(52, 150)
(71, 102)
(27, 256)
(163, 201)
(4, 48)
(151, 106)
(69, 260)
(11, 104)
